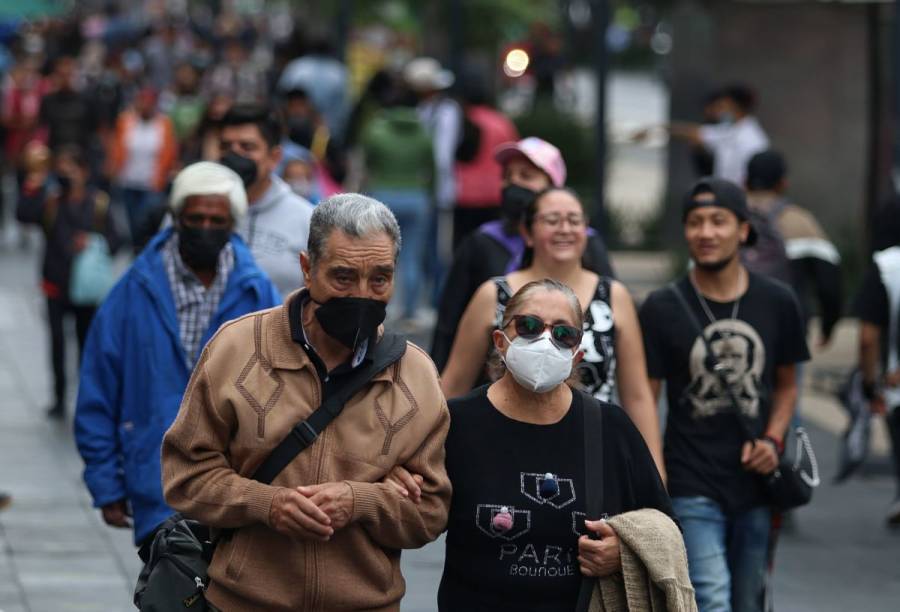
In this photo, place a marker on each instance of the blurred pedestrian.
(209, 131)
(67, 111)
(442, 117)
(237, 73)
(327, 511)
(733, 140)
(518, 537)
(756, 337)
(877, 305)
(397, 154)
(305, 126)
(142, 158)
(814, 262)
(611, 363)
(276, 226)
(299, 170)
(149, 334)
(68, 209)
(478, 174)
(5, 500)
(497, 247)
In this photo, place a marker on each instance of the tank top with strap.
(597, 370)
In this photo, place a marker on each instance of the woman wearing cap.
(613, 365)
(496, 248)
(518, 537)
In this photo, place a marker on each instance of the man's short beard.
(716, 266)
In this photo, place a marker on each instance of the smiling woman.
(612, 367)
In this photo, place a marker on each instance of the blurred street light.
(516, 63)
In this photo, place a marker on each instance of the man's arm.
(761, 455)
(869, 352)
(199, 481)
(396, 521)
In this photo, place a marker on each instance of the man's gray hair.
(355, 215)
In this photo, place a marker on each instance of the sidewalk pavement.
(57, 555)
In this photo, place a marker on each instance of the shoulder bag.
(174, 576)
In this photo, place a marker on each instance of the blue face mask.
(726, 118)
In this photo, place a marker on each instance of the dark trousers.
(467, 220)
(57, 309)
(893, 423)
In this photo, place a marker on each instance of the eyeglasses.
(531, 327)
(555, 220)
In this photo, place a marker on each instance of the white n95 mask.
(538, 365)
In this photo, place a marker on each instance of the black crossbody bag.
(174, 576)
(791, 484)
(592, 416)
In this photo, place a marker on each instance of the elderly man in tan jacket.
(327, 533)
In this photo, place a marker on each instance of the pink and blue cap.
(540, 153)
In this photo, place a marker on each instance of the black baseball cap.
(726, 195)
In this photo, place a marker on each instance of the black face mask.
(351, 320)
(244, 167)
(199, 247)
(301, 131)
(513, 202)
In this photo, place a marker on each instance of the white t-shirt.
(142, 145)
(733, 145)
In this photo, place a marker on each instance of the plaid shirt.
(195, 304)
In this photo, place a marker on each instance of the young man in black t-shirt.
(755, 330)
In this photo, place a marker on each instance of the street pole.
(342, 28)
(600, 19)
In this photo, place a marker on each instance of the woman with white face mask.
(519, 461)
(612, 368)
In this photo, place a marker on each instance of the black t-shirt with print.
(495, 462)
(703, 438)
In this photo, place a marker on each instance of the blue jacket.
(134, 372)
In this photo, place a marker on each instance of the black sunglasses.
(530, 327)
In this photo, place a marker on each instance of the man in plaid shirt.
(148, 335)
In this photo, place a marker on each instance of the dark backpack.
(768, 256)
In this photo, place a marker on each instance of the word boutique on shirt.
(536, 537)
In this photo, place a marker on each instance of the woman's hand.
(599, 557)
(407, 484)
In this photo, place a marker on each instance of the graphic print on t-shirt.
(530, 485)
(484, 520)
(739, 348)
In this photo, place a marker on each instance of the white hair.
(209, 178)
(355, 215)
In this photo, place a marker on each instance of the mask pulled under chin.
(351, 320)
(538, 365)
(199, 247)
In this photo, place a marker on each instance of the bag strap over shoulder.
(592, 416)
(712, 363)
(389, 349)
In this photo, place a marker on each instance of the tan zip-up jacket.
(251, 385)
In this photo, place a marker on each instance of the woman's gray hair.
(355, 215)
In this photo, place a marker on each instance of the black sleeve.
(596, 257)
(458, 291)
(871, 304)
(647, 488)
(826, 280)
(648, 318)
(30, 207)
(110, 231)
(792, 346)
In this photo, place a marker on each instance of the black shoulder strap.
(592, 416)
(389, 349)
(712, 362)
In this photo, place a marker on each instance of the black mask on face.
(301, 131)
(351, 320)
(244, 167)
(514, 199)
(199, 247)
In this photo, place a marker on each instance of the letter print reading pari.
(502, 522)
(547, 488)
